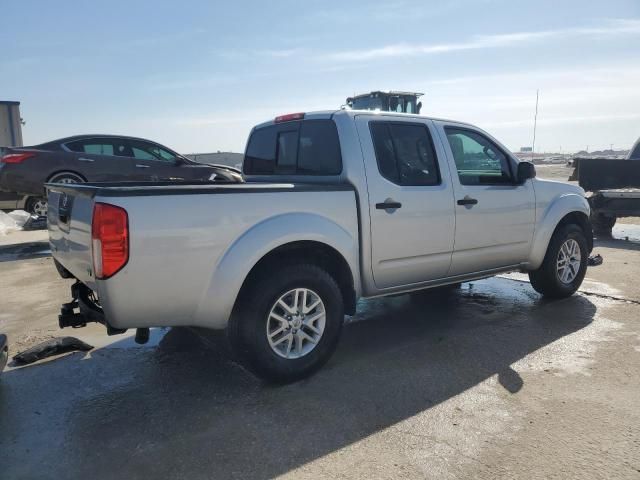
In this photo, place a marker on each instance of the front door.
(410, 200)
(495, 215)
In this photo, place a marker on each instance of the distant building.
(10, 124)
(230, 159)
(525, 149)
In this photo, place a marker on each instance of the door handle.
(142, 166)
(467, 200)
(388, 204)
(83, 159)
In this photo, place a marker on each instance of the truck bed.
(180, 239)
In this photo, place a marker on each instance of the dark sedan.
(100, 158)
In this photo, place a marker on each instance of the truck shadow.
(184, 409)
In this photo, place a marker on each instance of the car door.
(410, 200)
(153, 163)
(101, 159)
(495, 215)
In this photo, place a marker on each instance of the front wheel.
(564, 265)
(287, 322)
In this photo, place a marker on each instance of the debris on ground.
(4, 351)
(49, 348)
(20, 220)
(7, 223)
(595, 260)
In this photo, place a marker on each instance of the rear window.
(308, 147)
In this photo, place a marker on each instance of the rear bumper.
(13, 180)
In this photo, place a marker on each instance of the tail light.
(109, 239)
(16, 157)
(289, 117)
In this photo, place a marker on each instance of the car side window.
(99, 146)
(478, 160)
(308, 147)
(405, 153)
(149, 151)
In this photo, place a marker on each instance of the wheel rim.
(40, 207)
(66, 178)
(568, 261)
(296, 323)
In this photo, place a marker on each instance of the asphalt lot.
(489, 381)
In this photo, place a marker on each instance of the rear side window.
(308, 147)
(405, 153)
(98, 146)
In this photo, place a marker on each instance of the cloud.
(612, 27)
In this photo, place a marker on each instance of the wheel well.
(62, 172)
(580, 219)
(309, 252)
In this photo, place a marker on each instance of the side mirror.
(418, 107)
(526, 170)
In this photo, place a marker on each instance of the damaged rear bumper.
(88, 310)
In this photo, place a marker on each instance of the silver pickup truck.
(335, 206)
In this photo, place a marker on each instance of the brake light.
(16, 157)
(289, 117)
(109, 239)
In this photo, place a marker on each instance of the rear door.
(410, 200)
(495, 215)
(102, 159)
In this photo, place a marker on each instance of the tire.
(253, 323)
(36, 206)
(66, 177)
(602, 224)
(547, 280)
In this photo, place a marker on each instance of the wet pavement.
(485, 381)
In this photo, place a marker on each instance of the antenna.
(535, 123)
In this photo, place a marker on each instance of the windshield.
(368, 103)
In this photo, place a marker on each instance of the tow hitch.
(89, 311)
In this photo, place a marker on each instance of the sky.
(197, 75)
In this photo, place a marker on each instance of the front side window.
(308, 147)
(149, 151)
(405, 153)
(478, 160)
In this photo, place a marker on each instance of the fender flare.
(557, 209)
(246, 251)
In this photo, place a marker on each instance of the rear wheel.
(36, 206)
(287, 322)
(564, 265)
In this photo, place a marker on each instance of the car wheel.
(287, 323)
(37, 206)
(564, 265)
(66, 177)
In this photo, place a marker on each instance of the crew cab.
(335, 206)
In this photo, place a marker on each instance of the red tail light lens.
(16, 157)
(109, 239)
(289, 117)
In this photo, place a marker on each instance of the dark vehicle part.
(595, 260)
(595, 174)
(49, 348)
(4, 351)
(89, 310)
(389, 101)
(142, 336)
(564, 265)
